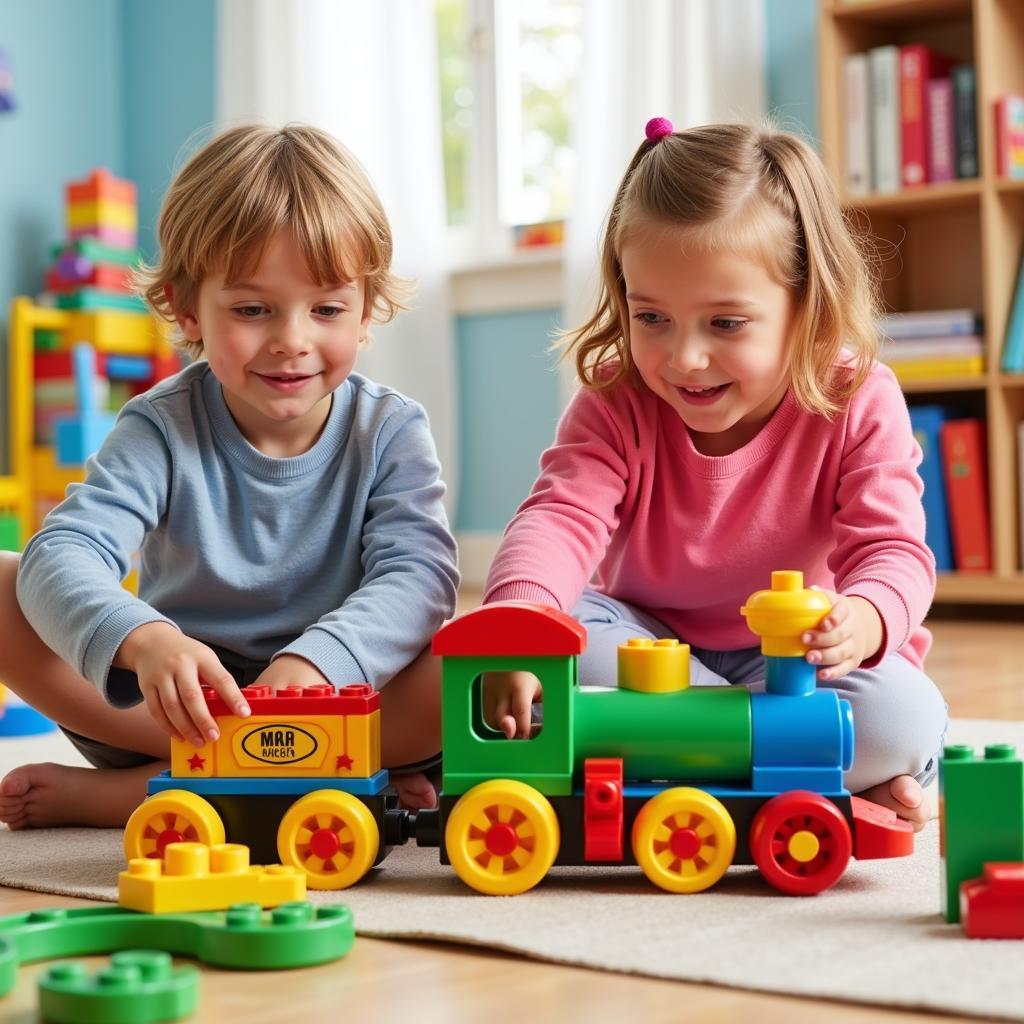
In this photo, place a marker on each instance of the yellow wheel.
(502, 837)
(684, 839)
(331, 836)
(173, 816)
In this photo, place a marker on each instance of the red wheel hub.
(165, 839)
(501, 839)
(684, 843)
(324, 843)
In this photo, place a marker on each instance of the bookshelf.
(956, 244)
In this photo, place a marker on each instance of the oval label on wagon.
(278, 744)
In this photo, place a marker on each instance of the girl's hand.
(290, 670)
(172, 668)
(850, 633)
(508, 697)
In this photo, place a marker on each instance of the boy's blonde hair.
(764, 194)
(247, 183)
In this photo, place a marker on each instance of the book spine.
(913, 147)
(966, 119)
(1012, 360)
(883, 62)
(1020, 489)
(963, 455)
(930, 324)
(941, 152)
(926, 422)
(858, 126)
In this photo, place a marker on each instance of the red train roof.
(511, 628)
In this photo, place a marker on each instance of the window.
(508, 71)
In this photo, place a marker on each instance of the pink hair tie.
(657, 127)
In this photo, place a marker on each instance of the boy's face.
(709, 335)
(279, 344)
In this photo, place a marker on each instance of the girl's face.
(709, 335)
(279, 343)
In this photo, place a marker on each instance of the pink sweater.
(626, 503)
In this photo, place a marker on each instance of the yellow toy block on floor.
(194, 877)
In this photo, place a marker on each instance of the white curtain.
(367, 73)
(692, 61)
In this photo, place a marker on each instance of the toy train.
(683, 782)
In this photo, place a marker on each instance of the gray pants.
(898, 713)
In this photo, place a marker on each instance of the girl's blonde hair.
(764, 194)
(247, 183)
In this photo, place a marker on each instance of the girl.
(732, 421)
(286, 509)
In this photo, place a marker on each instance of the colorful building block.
(242, 937)
(81, 435)
(10, 532)
(193, 876)
(981, 815)
(101, 185)
(654, 666)
(992, 907)
(138, 987)
(305, 732)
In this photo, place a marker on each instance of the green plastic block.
(96, 251)
(243, 937)
(138, 987)
(981, 815)
(93, 298)
(475, 753)
(46, 339)
(10, 533)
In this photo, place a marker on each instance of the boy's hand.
(850, 633)
(170, 667)
(508, 697)
(290, 670)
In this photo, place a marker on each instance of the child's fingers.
(508, 726)
(175, 710)
(156, 711)
(522, 702)
(190, 693)
(215, 675)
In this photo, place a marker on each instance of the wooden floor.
(979, 668)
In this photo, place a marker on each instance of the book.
(942, 346)
(930, 323)
(939, 114)
(943, 366)
(926, 421)
(884, 75)
(963, 458)
(858, 125)
(1010, 137)
(918, 64)
(965, 111)
(1013, 344)
(1020, 489)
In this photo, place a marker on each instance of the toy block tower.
(981, 815)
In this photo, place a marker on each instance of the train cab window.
(485, 687)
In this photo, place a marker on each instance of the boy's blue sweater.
(341, 555)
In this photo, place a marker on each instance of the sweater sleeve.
(880, 553)
(69, 579)
(560, 533)
(410, 576)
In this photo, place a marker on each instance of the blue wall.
(792, 63)
(508, 408)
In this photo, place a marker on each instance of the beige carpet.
(876, 937)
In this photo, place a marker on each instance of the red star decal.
(344, 761)
(195, 762)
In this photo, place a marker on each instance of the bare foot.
(905, 796)
(48, 795)
(415, 791)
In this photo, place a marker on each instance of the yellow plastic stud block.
(654, 666)
(194, 877)
(781, 615)
(103, 211)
